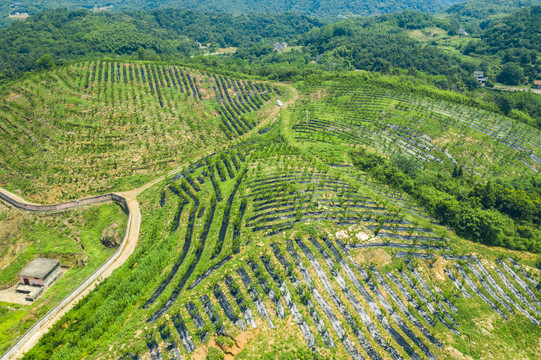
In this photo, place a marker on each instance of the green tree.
(511, 74)
(215, 354)
(45, 62)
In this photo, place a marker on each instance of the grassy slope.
(99, 126)
(69, 236)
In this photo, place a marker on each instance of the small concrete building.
(537, 84)
(463, 32)
(40, 272)
(480, 76)
(279, 46)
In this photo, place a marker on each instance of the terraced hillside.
(99, 126)
(264, 248)
(436, 132)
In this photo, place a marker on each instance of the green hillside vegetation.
(72, 35)
(306, 7)
(477, 15)
(106, 126)
(516, 42)
(72, 237)
(427, 143)
(386, 207)
(419, 43)
(279, 244)
(381, 44)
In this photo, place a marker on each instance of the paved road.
(32, 336)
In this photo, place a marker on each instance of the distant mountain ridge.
(329, 8)
(477, 15)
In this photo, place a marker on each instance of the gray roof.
(39, 268)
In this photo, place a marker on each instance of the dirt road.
(32, 336)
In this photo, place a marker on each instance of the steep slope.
(99, 126)
(278, 247)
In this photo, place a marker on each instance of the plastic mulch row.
(252, 291)
(212, 314)
(320, 325)
(478, 292)
(398, 301)
(280, 313)
(426, 302)
(297, 316)
(226, 307)
(234, 290)
(368, 298)
(169, 343)
(197, 320)
(182, 330)
(154, 350)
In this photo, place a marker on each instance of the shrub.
(215, 354)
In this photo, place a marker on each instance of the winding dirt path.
(32, 336)
(40, 328)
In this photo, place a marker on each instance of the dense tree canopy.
(477, 15)
(511, 74)
(329, 8)
(70, 35)
(515, 40)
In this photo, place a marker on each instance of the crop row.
(368, 317)
(374, 119)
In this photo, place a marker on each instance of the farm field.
(304, 181)
(73, 237)
(101, 126)
(280, 246)
(438, 133)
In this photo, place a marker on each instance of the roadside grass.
(69, 236)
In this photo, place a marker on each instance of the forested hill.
(520, 30)
(69, 35)
(319, 8)
(476, 15)
(516, 40)
(382, 43)
(372, 43)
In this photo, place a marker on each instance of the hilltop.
(101, 126)
(305, 7)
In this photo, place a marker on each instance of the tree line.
(496, 214)
(156, 35)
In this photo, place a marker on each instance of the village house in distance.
(279, 46)
(480, 76)
(37, 275)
